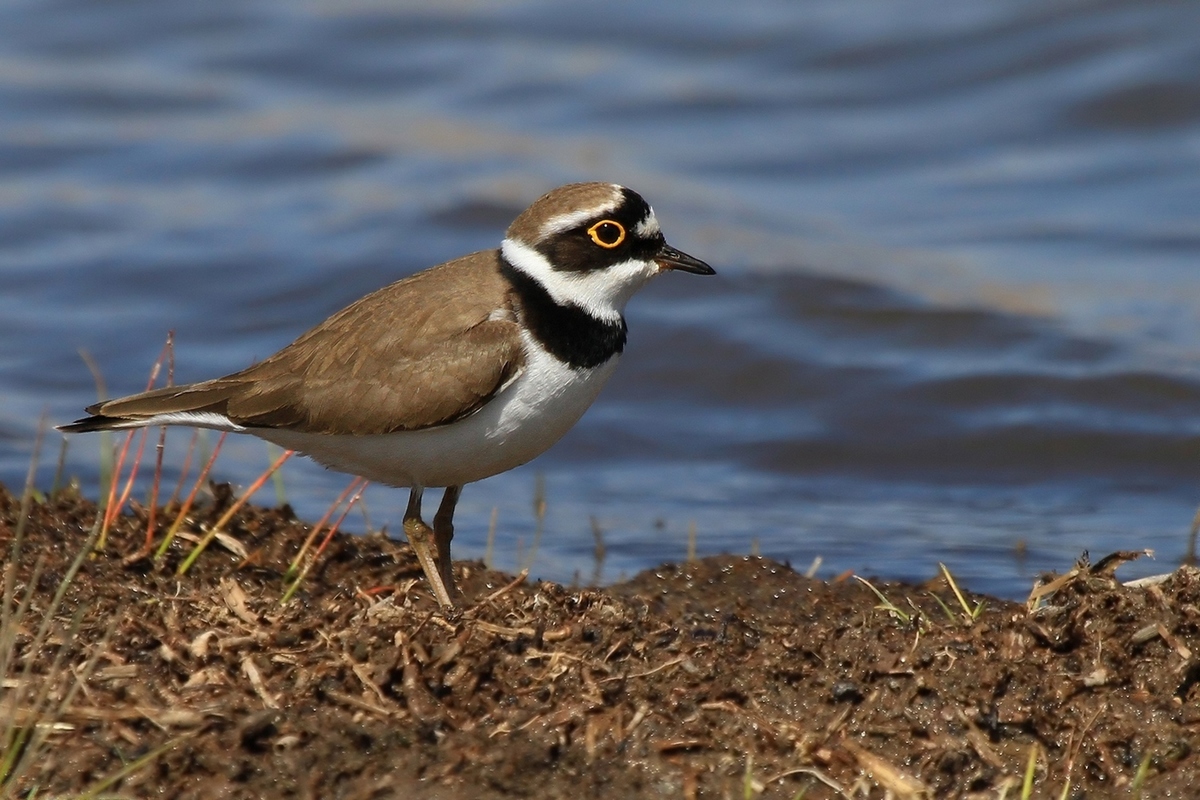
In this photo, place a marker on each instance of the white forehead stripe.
(648, 227)
(564, 222)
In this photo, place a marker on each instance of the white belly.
(518, 424)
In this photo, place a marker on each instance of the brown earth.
(730, 677)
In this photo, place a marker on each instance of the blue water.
(958, 314)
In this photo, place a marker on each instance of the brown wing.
(424, 351)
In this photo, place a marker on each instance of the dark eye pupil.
(608, 232)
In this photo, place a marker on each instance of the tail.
(198, 405)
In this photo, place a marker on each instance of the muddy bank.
(727, 677)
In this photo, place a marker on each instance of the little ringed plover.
(451, 375)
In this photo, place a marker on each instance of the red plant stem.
(133, 471)
(321, 522)
(113, 507)
(338, 524)
(191, 498)
(233, 509)
(112, 492)
(329, 536)
(169, 347)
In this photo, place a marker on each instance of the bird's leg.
(421, 538)
(443, 532)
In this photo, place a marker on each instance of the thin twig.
(496, 595)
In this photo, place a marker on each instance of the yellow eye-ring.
(607, 233)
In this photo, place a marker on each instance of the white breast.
(518, 424)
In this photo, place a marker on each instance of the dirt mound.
(727, 677)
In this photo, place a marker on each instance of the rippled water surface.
(958, 311)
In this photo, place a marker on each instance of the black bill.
(670, 258)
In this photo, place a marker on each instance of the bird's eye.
(607, 233)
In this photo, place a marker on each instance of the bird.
(450, 375)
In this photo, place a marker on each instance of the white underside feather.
(521, 422)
